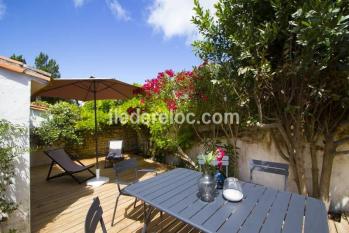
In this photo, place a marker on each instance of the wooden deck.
(60, 205)
(339, 227)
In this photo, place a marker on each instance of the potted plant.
(207, 183)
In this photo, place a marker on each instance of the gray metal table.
(263, 209)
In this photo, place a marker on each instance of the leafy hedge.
(67, 123)
(11, 145)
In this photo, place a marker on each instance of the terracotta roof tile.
(19, 67)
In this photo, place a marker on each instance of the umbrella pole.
(96, 125)
(98, 180)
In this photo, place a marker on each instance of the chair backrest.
(123, 166)
(225, 163)
(62, 159)
(94, 216)
(115, 146)
(269, 167)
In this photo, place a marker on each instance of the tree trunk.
(297, 143)
(181, 154)
(301, 174)
(326, 172)
(295, 172)
(314, 171)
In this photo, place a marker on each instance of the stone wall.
(127, 134)
(265, 149)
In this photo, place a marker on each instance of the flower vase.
(207, 187)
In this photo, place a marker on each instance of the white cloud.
(173, 17)
(79, 3)
(2, 9)
(118, 10)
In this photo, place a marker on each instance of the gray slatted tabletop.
(263, 209)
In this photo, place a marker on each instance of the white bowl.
(233, 195)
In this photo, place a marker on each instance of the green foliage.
(43, 62)
(165, 95)
(87, 121)
(269, 49)
(60, 126)
(160, 134)
(11, 145)
(18, 58)
(67, 123)
(288, 63)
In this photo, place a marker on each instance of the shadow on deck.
(61, 204)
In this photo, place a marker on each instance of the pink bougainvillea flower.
(189, 73)
(219, 156)
(160, 75)
(130, 110)
(171, 105)
(169, 73)
(179, 94)
(220, 152)
(153, 86)
(142, 101)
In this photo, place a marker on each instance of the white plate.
(233, 195)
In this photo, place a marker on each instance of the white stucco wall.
(266, 150)
(14, 107)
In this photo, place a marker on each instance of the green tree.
(43, 62)
(87, 120)
(60, 125)
(290, 60)
(18, 58)
(66, 123)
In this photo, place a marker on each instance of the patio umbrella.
(89, 89)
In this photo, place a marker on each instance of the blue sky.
(130, 40)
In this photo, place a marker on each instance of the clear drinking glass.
(232, 190)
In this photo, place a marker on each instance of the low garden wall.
(87, 149)
(265, 150)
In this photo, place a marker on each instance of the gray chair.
(63, 159)
(124, 166)
(225, 163)
(269, 167)
(94, 216)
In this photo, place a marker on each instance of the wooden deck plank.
(342, 227)
(332, 227)
(61, 205)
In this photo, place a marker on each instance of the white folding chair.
(114, 152)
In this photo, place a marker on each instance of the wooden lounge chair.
(62, 158)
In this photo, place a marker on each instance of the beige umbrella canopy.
(88, 89)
